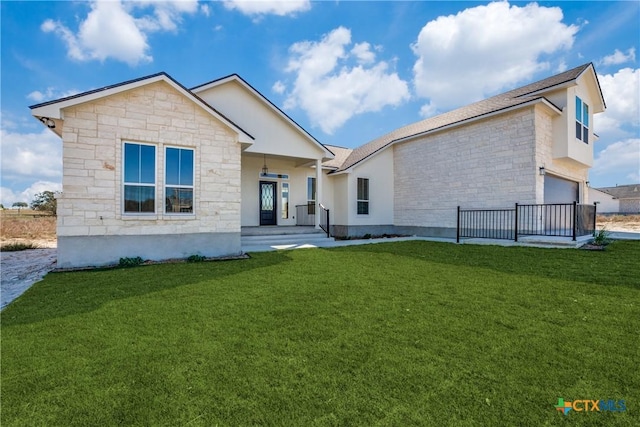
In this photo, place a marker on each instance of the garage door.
(558, 190)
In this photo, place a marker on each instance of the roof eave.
(54, 109)
(541, 100)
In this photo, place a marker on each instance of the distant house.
(628, 197)
(153, 169)
(605, 201)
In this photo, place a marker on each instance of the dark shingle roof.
(631, 191)
(522, 95)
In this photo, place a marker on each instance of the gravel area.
(19, 270)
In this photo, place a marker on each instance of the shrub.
(196, 258)
(18, 246)
(130, 262)
(601, 237)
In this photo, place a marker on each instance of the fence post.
(595, 215)
(515, 231)
(575, 219)
(458, 227)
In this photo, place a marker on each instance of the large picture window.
(139, 178)
(363, 196)
(582, 121)
(179, 180)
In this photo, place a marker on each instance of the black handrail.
(324, 220)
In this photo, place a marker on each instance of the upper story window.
(363, 196)
(179, 180)
(139, 178)
(582, 120)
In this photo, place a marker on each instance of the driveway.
(20, 270)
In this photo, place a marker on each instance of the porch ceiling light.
(541, 169)
(265, 169)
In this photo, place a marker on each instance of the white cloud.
(268, 7)
(620, 91)
(618, 57)
(362, 51)
(50, 93)
(204, 8)
(622, 158)
(330, 89)
(279, 87)
(117, 30)
(30, 156)
(167, 15)
(8, 196)
(465, 57)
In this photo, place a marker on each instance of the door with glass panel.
(268, 203)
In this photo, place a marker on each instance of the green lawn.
(397, 334)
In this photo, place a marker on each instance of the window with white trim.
(284, 206)
(311, 195)
(139, 178)
(363, 196)
(179, 177)
(582, 120)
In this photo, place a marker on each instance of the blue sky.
(347, 71)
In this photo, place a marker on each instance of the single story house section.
(628, 197)
(606, 202)
(156, 170)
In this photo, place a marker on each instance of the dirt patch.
(621, 223)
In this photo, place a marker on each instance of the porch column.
(318, 190)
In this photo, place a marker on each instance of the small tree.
(1, 207)
(20, 205)
(46, 202)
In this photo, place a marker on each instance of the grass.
(411, 333)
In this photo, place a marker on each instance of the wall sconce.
(541, 170)
(587, 183)
(48, 122)
(265, 169)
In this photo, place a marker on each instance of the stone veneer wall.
(487, 164)
(92, 229)
(630, 206)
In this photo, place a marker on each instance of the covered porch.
(280, 192)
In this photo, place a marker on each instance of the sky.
(346, 71)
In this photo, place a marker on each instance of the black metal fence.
(585, 219)
(555, 219)
(306, 214)
(486, 223)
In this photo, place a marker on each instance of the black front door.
(267, 203)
